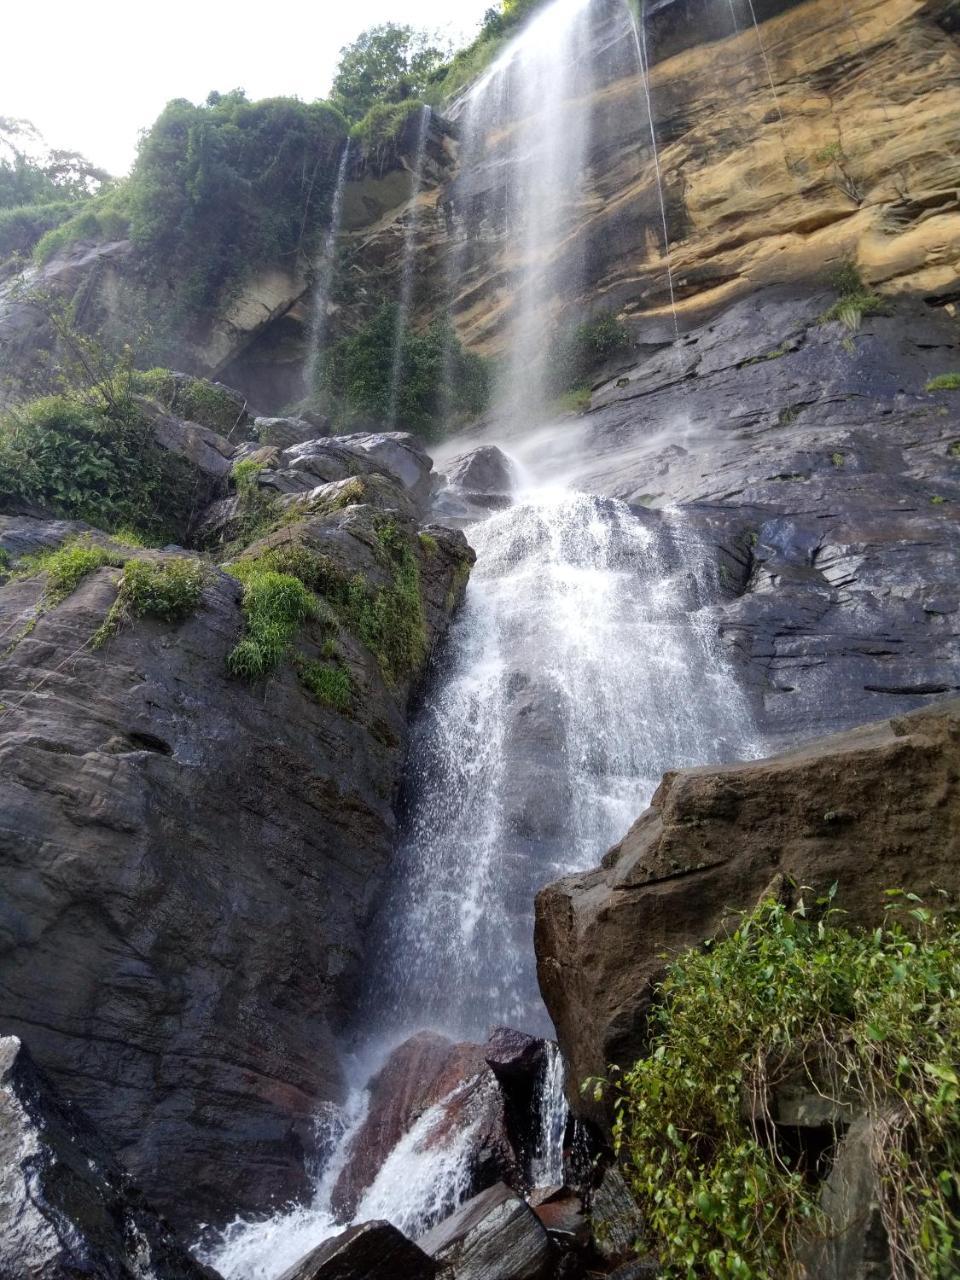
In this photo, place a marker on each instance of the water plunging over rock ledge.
(274, 859)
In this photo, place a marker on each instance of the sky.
(91, 76)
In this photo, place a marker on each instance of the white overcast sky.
(91, 76)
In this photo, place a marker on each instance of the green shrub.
(21, 228)
(225, 188)
(67, 566)
(868, 1016)
(579, 353)
(328, 683)
(195, 399)
(168, 590)
(440, 383)
(105, 217)
(275, 606)
(93, 462)
(385, 124)
(855, 300)
(944, 382)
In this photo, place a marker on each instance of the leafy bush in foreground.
(872, 1017)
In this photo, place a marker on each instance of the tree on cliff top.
(31, 172)
(388, 63)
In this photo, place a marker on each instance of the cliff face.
(189, 860)
(825, 135)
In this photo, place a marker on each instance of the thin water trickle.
(408, 263)
(639, 28)
(324, 277)
(546, 1169)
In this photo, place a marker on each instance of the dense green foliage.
(223, 188)
(40, 188)
(86, 459)
(168, 590)
(440, 383)
(872, 1018)
(586, 348)
(387, 64)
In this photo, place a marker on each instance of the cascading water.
(582, 665)
(407, 267)
(324, 276)
(568, 692)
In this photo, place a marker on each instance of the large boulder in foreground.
(494, 1236)
(189, 860)
(66, 1208)
(872, 809)
(371, 1251)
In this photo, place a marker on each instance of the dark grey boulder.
(371, 1251)
(67, 1209)
(494, 1236)
(484, 472)
(284, 433)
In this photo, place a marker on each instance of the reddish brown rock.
(426, 1071)
(871, 809)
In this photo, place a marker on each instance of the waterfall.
(408, 262)
(575, 676)
(533, 95)
(546, 1169)
(583, 664)
(324, 277)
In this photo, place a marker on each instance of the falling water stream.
(581, 666)
(408, 262)
(324, 276)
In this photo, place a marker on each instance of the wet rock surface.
(870, 809)
(451, 1087)
(372, 1251)
(66, 1208)
(189, 862)
(823, 478)
(494, 1236)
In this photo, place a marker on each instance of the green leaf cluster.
(387, 64)
(855, 301)
(869, 1019)
(85, 459)
(440, 383)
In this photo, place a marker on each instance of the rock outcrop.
(189, 861)
(371, 1251)
(66, 1208)
(494, 1236)
(869, 810)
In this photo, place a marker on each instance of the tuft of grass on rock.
(168, 590)
(328, 683)
(67, 566)
(275, 606)
(944, 382)
(856, 301)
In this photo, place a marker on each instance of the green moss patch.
(328, 683)
(944, 382)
